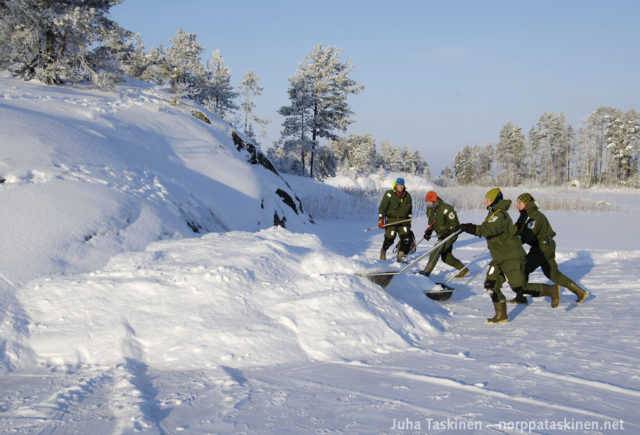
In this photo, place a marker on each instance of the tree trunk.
(314, 135)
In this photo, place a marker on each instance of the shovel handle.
(387, 225)
(466, 266)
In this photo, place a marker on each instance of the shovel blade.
(439, 296)
(383, 280)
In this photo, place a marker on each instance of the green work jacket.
(498, 229)
(442, 218)
(395, 207)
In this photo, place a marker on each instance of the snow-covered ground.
(115, 317)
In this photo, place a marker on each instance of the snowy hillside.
(144, 289)
(89, 174)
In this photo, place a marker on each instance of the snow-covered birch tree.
(249, 88)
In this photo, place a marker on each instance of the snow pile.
(91, 173)
(230, 299)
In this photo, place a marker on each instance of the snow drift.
(234, 298)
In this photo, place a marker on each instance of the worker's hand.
(427, 233)
(468, 228)
(381, 224)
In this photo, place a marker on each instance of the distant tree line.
(604, 151)
(356, 155)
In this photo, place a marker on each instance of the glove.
(468, 228)
(427, 233)
(381, 224)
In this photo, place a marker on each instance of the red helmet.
(431, 196)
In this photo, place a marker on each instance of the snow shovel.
(445, 294)
(387, 225)
(384, 278)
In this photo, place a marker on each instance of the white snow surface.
(115, 317)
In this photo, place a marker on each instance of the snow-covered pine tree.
(298, 121)
(136, 63)
(463, 166)
(392, 157)
(422, 168)
(623, 144)
(594, 144)
(154, 66)
(326, 163)
(112, 59)
(387, 154)
(326, 83)
(552, 139)
(219, 94)
(54, 41)
(340, 148)
(408, 161)
(509, 151)
(361, 153)
(183, 67)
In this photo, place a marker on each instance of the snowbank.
(229, 299)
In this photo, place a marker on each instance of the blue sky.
(438, 75)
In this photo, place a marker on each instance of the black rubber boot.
(519, 299)
(501, 313)
(575, 288)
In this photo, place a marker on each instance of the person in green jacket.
(507, 254)
(395, 206)
(443, 219)
(534, 229)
